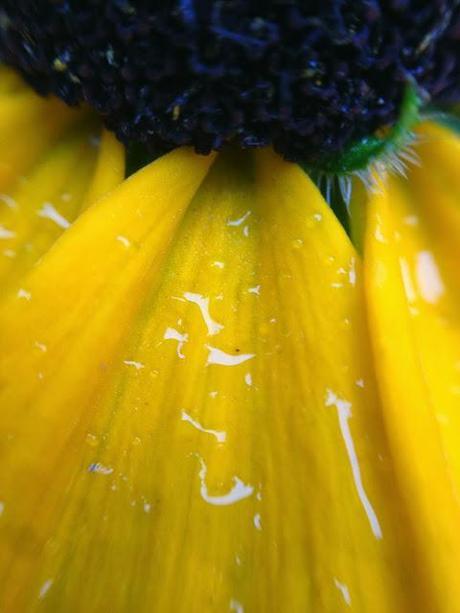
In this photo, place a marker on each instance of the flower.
(211, 397)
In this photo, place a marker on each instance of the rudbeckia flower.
(230, 306)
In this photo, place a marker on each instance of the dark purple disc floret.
(307, 76)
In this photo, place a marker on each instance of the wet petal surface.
(54, 162)
(190, 419)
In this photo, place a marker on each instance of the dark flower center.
(310, 77)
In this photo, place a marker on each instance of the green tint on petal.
(190, 420)
(412, 284)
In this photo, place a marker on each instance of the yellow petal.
(10, 81)
(29, 124)
(98, 270)
(435, 186)
(51, 166)
(415, 326)
(440, 151)
(40, 205)
(110, 168)
(41, 159)
(189, 419)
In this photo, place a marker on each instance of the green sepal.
(361, 154)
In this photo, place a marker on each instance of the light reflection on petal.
(412, 284)
(110, 496)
